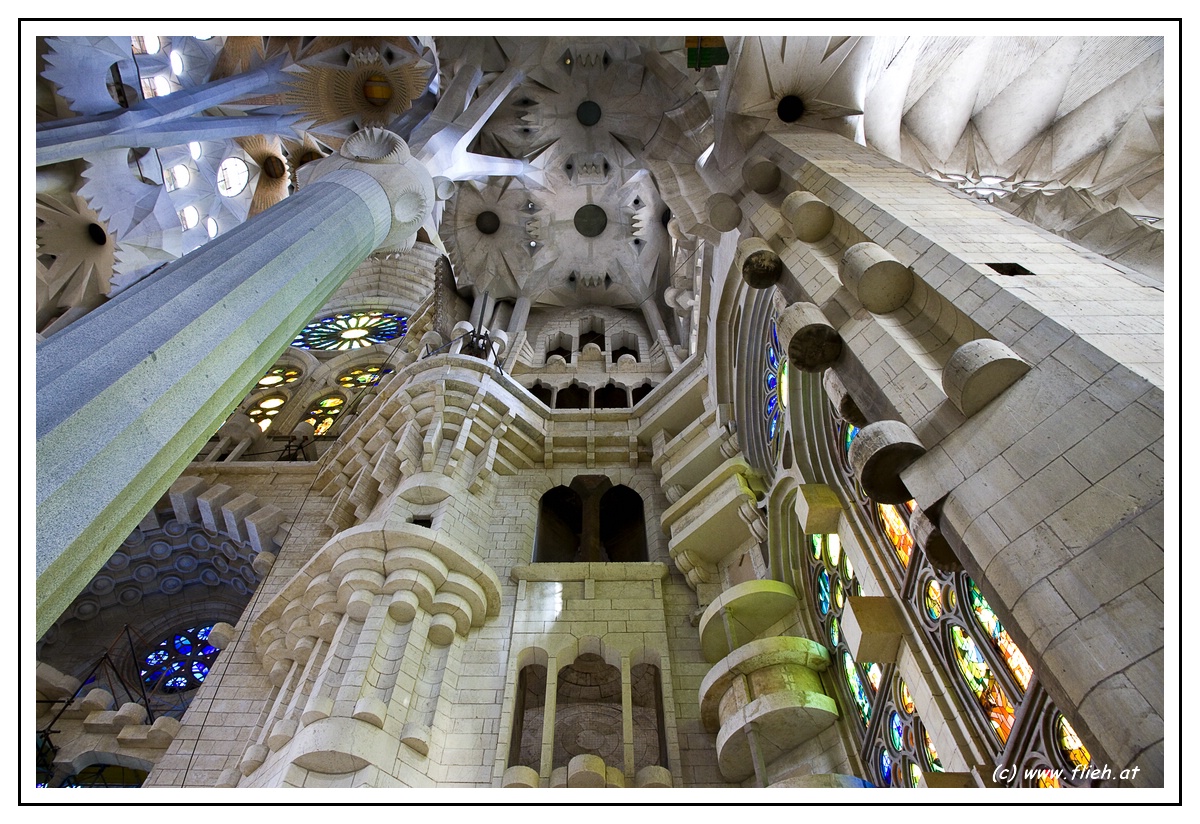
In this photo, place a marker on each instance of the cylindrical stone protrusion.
(359, 604)
(879, 453)
(262, 563)
(761, 175)
(652, 776)
(812, 343)
(978, 372)
(880, 282)
(441, 629)
(937, 549)
(403, 607)
(558, 777)
(841, 399)
(98, 700)
(370, 708)
(809, 216)
(279, 672)
(723, 212)
(615, 778)
(587, 770)
(415, 735)
(221, 635)
(520, 776)
(758, 263)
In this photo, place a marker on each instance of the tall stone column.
(127, 395)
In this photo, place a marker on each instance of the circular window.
(210, 226)
(189, 217)
(278, 375)
(162, 86)
(363, 375)
(324, 412)
(487, 223)
(149, 44)
(790, 108)
(352, 330)
(182, 175)
(232, 176)
(588, 113)
(590, 220)
(195, 150)
(176, 63)
(181, 661)
(267, 408)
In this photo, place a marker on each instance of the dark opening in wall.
(611, 396)
(542, 392)
(560, 524)
(1010, 269)
(588, 714)
(649, 729)
(622, 525)
(640, 392)
(591, 337)
(572, 397)
(525, 748)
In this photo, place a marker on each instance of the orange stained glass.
(895, 526)
(982, 682)
(1071, 745)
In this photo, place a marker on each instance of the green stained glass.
(839, 595)
(914, 775)
(982, 683)
(817, 542)
(933, 600)
(833, 549)
(896, 731)
(931, 756)
(999, 636)
(363, 375)
(835, 631)
(823, 592)
(857, 690)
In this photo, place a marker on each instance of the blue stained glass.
(177, 683)
(156, 657)
(823, 592)
(775, 336)
(856, 688)
(885, 768)
(772, 402)
(199, 670)
(209, 649)
(202, 634)
(183, 644)
(897, 731)
(773, 358)
(772, 426)
(772, 381)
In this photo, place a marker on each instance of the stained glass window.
(775, 387)
(1070, 744)
(982, 682)
(874, 675)
(278, 375)
(368, 375)
(823, 592)
(896, 731)
(180, 661)
(885, 767)
(351, 330)
(857, 690)
(931, 756)
(323, 413)
(895, 526)
(265, 409)
(906, 700)
(933, 600)
(1000, 638)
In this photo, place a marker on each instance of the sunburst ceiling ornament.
(369, 90)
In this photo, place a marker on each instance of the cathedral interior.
(650, 412)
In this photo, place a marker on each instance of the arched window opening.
(106, 775)
(611, 396)
(587, 714)
(543, 393)
(649, 727)
(591, 330)
(559, 344)
(145, 45)
(559, 527)
(189, 216)
(280, 373)
(624, 343)
(180, 662)
(529, 713)
(622, 525)
(232, 176)
(640, 392)
(324, 413)
(573, 397)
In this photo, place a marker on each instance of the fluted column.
(128, 395)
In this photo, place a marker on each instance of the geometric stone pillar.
(872, 628)
(128, 394)
(818, 509)
(812, 343)
(978, 371)
(879, 453)
(880, 282)
(808, 215)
